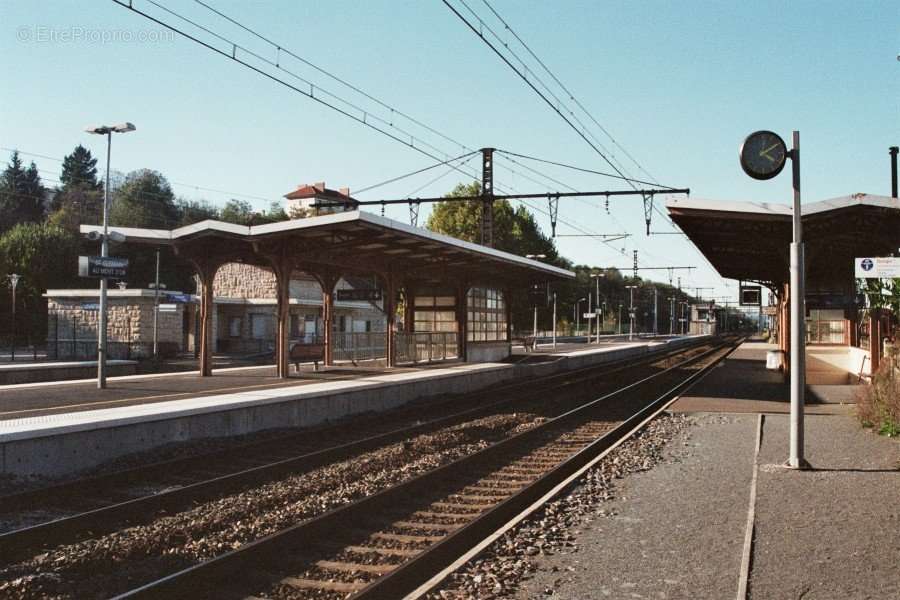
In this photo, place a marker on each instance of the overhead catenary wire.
(234, 56)
(567, 91)
(362, 119)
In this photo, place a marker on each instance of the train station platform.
(54, 429)
(721, 517)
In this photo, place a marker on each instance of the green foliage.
(241, 212)
(144, 200)
(79, 169)
(194, 211)
(878, 405)
(43, 254)
(21, 194)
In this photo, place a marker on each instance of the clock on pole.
(763, 154)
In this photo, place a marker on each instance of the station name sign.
(360, 295)
(102, 266)
(877, 267)
(179, 298)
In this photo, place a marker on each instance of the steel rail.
(336, 526)
(16, 544)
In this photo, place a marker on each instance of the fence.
(359, 346)
(73, 349)
(426, 347)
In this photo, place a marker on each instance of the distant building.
(307, 200)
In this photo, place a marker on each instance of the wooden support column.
(409, 307)
(206, 274)
(462, 319)
(390, 313)
(328, 280)
(283, 270)
(875, 339)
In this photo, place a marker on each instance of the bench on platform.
(307, 352)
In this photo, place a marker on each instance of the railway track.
(103, 504)
(390, 543)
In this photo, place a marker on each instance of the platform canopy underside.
(750, 241)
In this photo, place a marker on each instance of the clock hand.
(767, 150)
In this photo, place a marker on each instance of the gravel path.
(540, 556)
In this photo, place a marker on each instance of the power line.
(528, 82)
(416, 172)
(566, 90)
(365, 118)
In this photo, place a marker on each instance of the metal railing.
(426, 347)
(62, 349)
(359, 346)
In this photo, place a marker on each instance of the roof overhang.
(750, 240)
(355, 241)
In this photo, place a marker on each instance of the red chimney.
(345, 191)
(320, 186)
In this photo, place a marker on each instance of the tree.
(80, 198)
(79, 169)
(194, 211)
(44, 255)
(241, 212)
(515, 231)
(21, 194)
(145, 199)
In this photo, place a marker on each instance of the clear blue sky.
(677, 84)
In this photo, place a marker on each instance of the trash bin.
(774, 359)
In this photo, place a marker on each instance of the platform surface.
(678, 530)
(20, 401)
(742, 384)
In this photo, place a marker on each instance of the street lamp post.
(596, 277)
(578, 314)
(13, 282)
(631, 289)
(104, 247)
(554, 319)
(535, 303)
(619, 320)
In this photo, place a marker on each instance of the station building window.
(435, 314)
(487, 315)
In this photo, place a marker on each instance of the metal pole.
(535, 324)
(893, 150)
(554, 319)
(156, 311)
(619, 321)
(597, 279)
(589, 317)
(631, 316)
(104, 251)
(13, 357)
(798, 324)
(655, 313)
(577, 316)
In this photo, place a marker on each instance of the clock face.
(763, 155)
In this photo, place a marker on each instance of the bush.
(878, 405)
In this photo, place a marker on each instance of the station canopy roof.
(351, 242)
(750, 240)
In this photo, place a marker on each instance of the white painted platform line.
(23, 366)
(747, 555)
(13, 386)
(47, 425)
